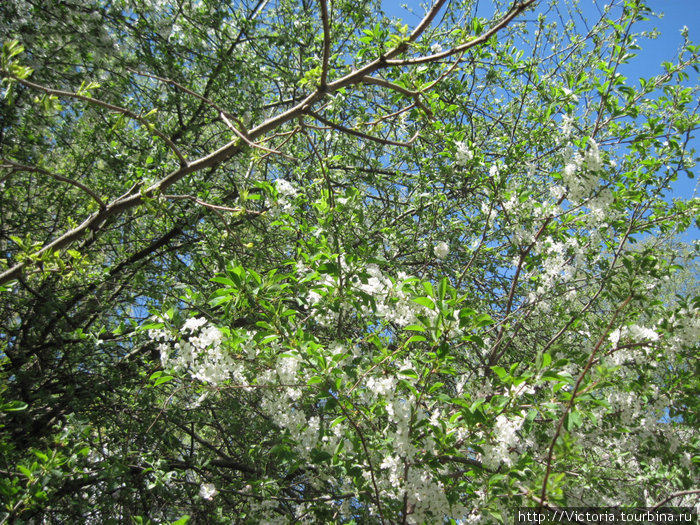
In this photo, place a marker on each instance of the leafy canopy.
(292, 261)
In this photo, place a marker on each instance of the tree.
(294, 261)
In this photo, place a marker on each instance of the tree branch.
(574, 392)
(356, 133)
(117, 109)
(326, 44)
(513, 13)
(415, 95)
(229, 150)
(14, 166)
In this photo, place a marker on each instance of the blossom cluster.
(393, 301)
(463, 154)
(286, 193)
(198, 350)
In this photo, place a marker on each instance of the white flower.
(593, 162)
(441, 250)
(642, 334)
(208, 490)
(193, 323)
(285, 189)
(463, 154)
(557, 191)
(567, 125)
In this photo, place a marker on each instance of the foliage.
(283, 261)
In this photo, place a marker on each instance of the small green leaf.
(500, 372)
(223, 280)
(14, 406)
(425, 301)
(546, 360)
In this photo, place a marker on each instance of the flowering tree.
(284, 261)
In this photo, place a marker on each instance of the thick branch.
(514, 12)
(326, 44)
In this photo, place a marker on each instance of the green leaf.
(425, 301)
(224, 280)
(442, 290)
(13, 406)
(483, 320)
(500, 372)
(162, 379)
(572, 420)
(546, 360)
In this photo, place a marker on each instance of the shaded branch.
(117, 109)
(14, 166)
(326, 44)
(675, 495)
(343, 129)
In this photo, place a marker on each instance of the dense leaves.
(286, 261)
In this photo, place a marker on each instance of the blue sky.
(676, 15)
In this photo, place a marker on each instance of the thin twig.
(514, 12)
(118, 109)
(212, 206)
(574, 392)
(14, 166)
(369, 459)
(182, 88)
(415, 95)
(250, 143)
(356, 133)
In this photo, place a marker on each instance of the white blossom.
(566, 125)
(208, 491)
(193, 324)
(441, 250)
(592, 158)
(285, 188)
(463, 154)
